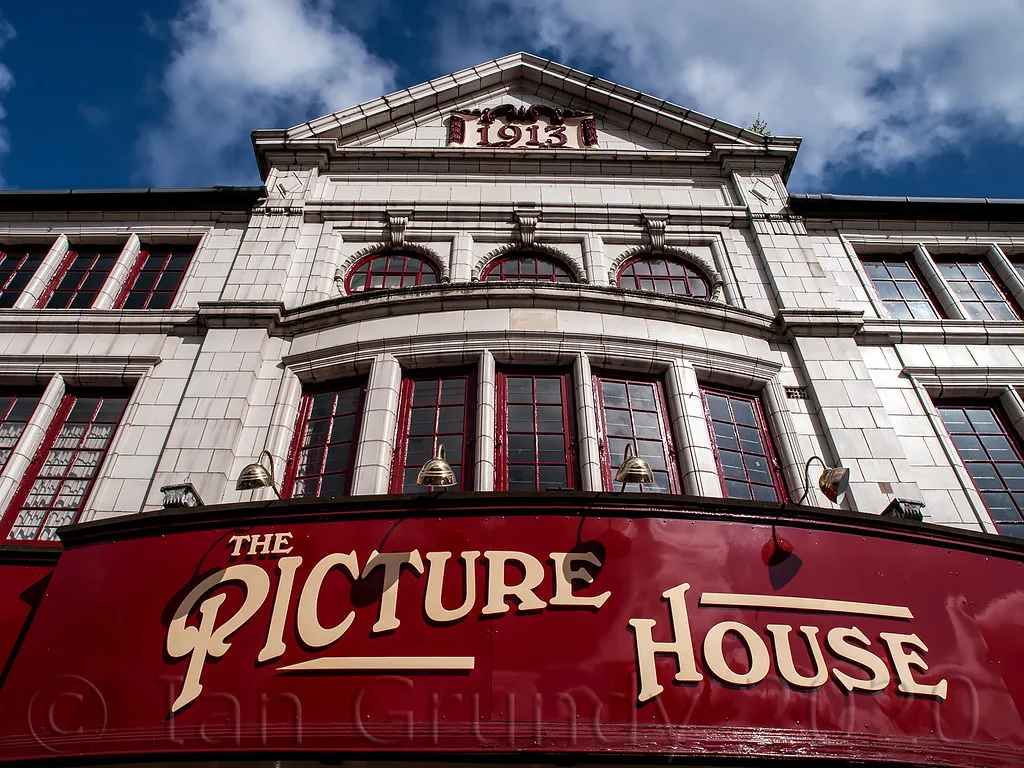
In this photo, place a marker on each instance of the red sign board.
(614, 628)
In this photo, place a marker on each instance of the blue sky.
(915, 97)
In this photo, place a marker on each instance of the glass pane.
(549, 390)
(613, 393)
(520, 390)
(521, 448)
(552, 477)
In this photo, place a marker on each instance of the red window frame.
(16, 408)
(462, 460)
(78, 277)
(299, 443)
(611, 457)
(162, 257)
(885, 260)
(690, 275)
(991, 483)
(17, 265)
(62, 473)
(510, 267)
(960, 261)
(769, 454)
(504, 436)
(386, 267)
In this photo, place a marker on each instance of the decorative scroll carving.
(529, 114)
(655, 227)
(527, 227)
(396, 229)
(588, 132)
(456, 129)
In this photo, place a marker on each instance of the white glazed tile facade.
(262, 312)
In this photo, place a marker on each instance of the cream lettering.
(435, 581)
(681, 647)
(839, 644)
(902, 661)
(846, 644)
(498, 590)
(387, 619)
(311, 631)
(757, 652)
(207, 640)
(784, 656)
(565, 575)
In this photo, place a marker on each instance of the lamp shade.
(833, 482)
(255, 476)
(437, 471)
(633, 469)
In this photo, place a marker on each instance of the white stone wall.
(263, 312)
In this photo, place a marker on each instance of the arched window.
(664, 275)
(527, 266)
(395, 269)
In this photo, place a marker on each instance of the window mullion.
(950, 305)
(126, 268)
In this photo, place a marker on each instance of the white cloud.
(873, 83)
(6, 83)
(237, 65)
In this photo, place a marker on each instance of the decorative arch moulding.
(710, 273)
(512, 249)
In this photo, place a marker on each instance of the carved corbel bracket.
(526, 227)
(397, 222)
(655, 226)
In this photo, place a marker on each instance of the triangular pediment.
(592, 114)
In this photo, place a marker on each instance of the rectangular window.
(434, 410)
(900, 289)
(324, 449)
(993, 458)
(746, 461)
(633, 412)
(17, 265)
(15, 411)
(55, 488)
(79, 278)
(980, 295)
(535, 438)
(155, 277)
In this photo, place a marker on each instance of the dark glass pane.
(719, 407)
(551, 448)
(422, 421)
(520, 418)
(552, 477)
(453, 391)
(549, 390)
(736, 490)
(613, 393)
(520, 390)
(765, 493)
(521, 448)
(744, 412)
(725, 436)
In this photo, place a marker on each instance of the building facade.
(537, 270)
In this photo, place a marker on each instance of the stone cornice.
(884, 332)
(583, 213)
(77, 370)
(176, 322)
(791, 323)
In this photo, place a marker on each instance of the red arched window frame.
(393, 269)
(662, 274)
(527, 265)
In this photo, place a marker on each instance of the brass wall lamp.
(255, 476)
(633, 469)
(833, 481)
(437, 471)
